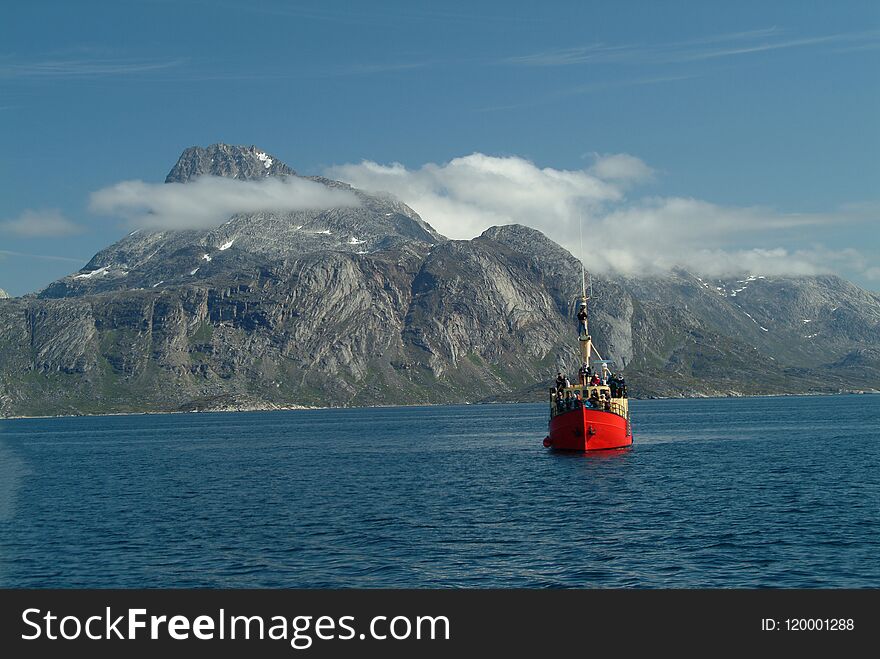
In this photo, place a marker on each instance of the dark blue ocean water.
(781, 492)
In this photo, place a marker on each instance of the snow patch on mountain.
(265, 159)
(94, 273)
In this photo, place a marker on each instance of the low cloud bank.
(631, 236)
(209, 201)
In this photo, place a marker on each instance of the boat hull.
(587, 429)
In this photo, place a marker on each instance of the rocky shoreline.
(287, 408)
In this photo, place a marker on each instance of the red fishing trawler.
(592, 415)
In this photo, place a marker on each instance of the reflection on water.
(733, 492)
(595, 456)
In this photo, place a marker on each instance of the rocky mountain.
(370, 305)
(238, 162)
(155, 259)
(756, 334)
(3, 294)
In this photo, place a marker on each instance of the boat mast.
(585, 340)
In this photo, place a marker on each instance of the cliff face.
(280, 316)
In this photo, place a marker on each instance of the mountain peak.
(3, 294)
(244, 163)
(525, 240)
(506, 232)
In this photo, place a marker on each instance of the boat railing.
(578, 396)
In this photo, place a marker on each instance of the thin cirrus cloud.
(209, 201)
(72, 68)
(692, 50)
(47, 223)
(42, 257)
(80, 68)
(631, 236)
(374, 15)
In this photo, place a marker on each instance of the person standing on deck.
(612, 383)
(561, 382)
(584, 374)
(560, 402)
(582, 319)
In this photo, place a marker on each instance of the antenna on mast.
(583, 266)
(584, 338)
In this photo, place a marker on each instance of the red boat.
(588, 429)
(590, 416)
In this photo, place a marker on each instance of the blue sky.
(759, 112)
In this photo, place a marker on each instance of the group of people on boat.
(615, 381)
(572, 400)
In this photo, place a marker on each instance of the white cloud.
(208, 201)
(465, 196)
(47, 223)
(621, 167)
